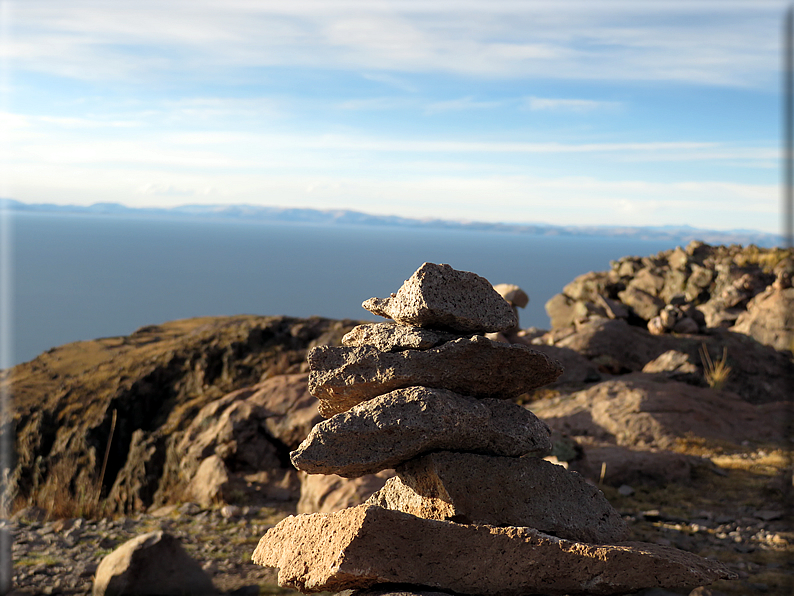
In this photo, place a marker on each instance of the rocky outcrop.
(471, 509)
(644, 411)
(760, 374)
(685, 291)
(157, 380)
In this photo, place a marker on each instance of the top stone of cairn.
(440, 297)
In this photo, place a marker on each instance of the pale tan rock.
(367, 545)
(153, 563)
(390, 337)
(645, 411)
(390, 429)
(503, 491)
(441, 297)
(514, 295)
(323, 493)
(210, 482)
(342, 377)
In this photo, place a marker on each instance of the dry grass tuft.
(715, 372)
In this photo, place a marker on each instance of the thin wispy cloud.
(569, 105)
(462, 104)
(559, 106)
(610, 40)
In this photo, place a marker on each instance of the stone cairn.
(473, 509)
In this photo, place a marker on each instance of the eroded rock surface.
(342, 377)
(639, 410)
(390, 429)
(390, 337)
(367, 545)
(441, 297)
(503, 491)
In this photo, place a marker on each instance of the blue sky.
(565, 112)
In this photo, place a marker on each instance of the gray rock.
(503, 491)
(686, 326)
(769, 319)
(613, 308)
(389, 337)
(388, 430)
(342, 377)
(441, 297)
(645, 305)
(153, 563)
(367, 545)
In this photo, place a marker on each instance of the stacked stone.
(474, 509)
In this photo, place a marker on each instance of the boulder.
(342, 377)
(647, 281)
(389, 337)
(211, 483)
(323, 493)
(153, 563)
(388, 430)
(368, 545)
(646, 411)
(562, 310)
(646, 306)
(441, 297)
(514, 295)
(769, 318)
(503, 491)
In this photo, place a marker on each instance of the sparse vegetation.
(716, 372)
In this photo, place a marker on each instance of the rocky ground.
(732, 515)
(208, 410)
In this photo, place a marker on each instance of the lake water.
(81, 277)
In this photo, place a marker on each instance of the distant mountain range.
(679, 234)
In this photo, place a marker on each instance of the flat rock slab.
(503, 491)
(390, 429)
(342, 377)
(367, 545)
(390, 337)
(441, 297)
